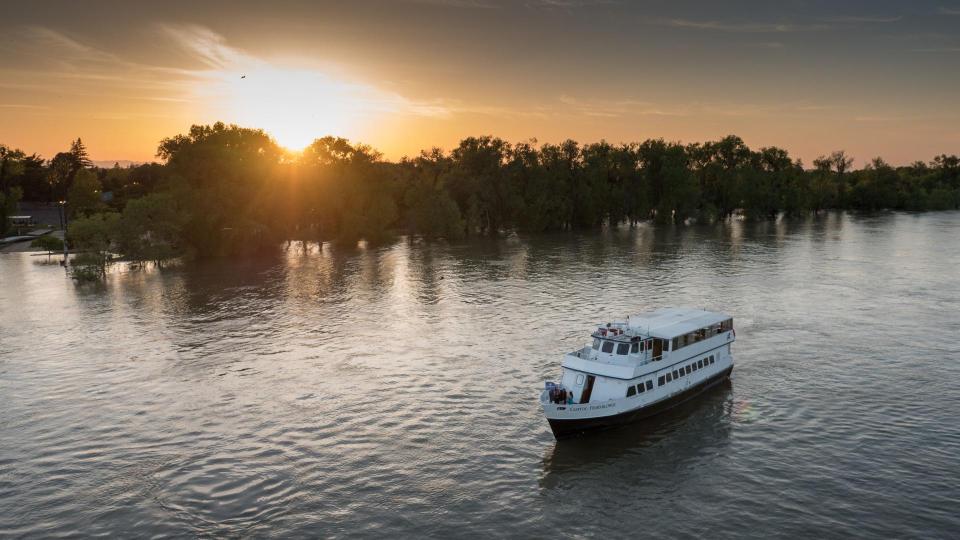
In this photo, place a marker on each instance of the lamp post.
(63, 225)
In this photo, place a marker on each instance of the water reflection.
(671, 440)
(391, 389)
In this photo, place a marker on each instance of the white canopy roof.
(672, 322)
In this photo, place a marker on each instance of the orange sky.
(874, 78)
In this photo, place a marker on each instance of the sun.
(295, 106)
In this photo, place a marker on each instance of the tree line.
(224, 189)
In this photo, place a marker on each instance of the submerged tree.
(93, 237)
(151, 228)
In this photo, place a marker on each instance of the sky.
(875, 78)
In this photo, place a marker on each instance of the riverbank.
(24, 246)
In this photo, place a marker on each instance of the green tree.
(8, 207)
(83, 198)
(94, 237)
(151, 228)
(227, 175)
(430, 210)
(10, 194)
(48, 242)
(80, 157)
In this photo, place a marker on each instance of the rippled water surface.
(392, 390)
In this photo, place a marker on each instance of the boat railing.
(583, 353)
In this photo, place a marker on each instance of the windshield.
(607, 346)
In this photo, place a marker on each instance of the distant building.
(21, 221)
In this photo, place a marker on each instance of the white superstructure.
(640, 366)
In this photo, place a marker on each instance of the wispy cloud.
(613, 108)
(863, 19)
(481, 4)
(778, 27)
(767, 45)
(575, 3)
(22, 106)
(275, 82)
(203, 44)
(744, 27)
(949, 11)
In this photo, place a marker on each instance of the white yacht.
(639, 367)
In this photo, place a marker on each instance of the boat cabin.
(622, 351)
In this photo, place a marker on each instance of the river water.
(392, 390)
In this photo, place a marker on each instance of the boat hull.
(565, 428)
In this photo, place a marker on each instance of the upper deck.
(669, 323)
(623, 349)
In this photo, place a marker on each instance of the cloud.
(750, 27)
(56, 45)
(576, 3)
(775, 27)
(949, 11)
(53, 62)
(938, 50)
(275, 81)
(204, 45)
(767, 45)
(863, 19)
(613, 108)
(481, 4)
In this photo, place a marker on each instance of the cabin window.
(661, 380)
(579, 380)
(623, 348)
(596, 343)
(631, 391)
(640, 389)
(635, 348)
(669, 377)
(649, 385)
(676, 344)
(700, 364)
(694, 366)
(675, 376)
(607, 347)
(689, 369)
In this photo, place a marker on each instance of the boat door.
(588, 389)
(657, 349)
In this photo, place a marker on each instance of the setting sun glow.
(294, 106)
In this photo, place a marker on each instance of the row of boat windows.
(640, 388)
(701, 334)
(668, 377)
(606, 346)
(622, 348)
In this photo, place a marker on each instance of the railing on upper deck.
(701, 334)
